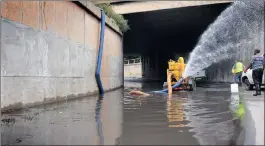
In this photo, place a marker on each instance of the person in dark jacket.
(257, 64)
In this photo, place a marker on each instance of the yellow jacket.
(238, 67)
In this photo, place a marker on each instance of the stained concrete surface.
(38, 66)
(202, 117)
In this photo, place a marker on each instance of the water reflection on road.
(87, 121)
(186, 118)
(98, 120)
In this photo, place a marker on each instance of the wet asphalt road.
(187, 118)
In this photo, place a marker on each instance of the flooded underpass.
(201, 117)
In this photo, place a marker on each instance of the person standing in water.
(237, 71)
(258, 64)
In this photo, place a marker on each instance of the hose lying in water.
(174, 86)
(159, 92)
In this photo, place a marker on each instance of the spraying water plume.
(239, 26)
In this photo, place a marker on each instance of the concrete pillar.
(150, 65)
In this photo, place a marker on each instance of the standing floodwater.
(240, 26)
(203, 117)
(187, 118)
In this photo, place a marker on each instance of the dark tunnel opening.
(160, 35)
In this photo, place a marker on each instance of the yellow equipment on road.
(177, 68)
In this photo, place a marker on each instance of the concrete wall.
(221, 72)
(49, 52)
(133, 70)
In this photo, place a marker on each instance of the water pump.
(177, 69)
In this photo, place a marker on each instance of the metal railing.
(133, 61)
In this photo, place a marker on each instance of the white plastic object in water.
(234, 88)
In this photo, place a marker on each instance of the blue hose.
(174, 86)
(98, 79)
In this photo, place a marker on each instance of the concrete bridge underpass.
(167, 34)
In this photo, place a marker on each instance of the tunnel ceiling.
(178, 28)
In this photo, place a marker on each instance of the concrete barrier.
(133, 70)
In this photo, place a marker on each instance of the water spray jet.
(238, 27)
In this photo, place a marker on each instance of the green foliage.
(119, 19)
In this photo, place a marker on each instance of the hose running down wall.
(100, 53)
